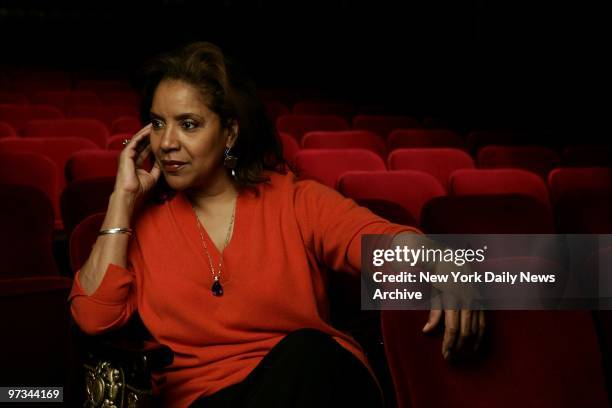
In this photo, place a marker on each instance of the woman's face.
(187, 138)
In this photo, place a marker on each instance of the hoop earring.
(230, 161)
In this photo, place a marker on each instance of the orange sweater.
(272, 279)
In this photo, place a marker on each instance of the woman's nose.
(169, 139)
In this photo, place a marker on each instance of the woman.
(227, 270)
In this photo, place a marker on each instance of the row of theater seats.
(573, 200)
(70, 159)
(381, 134)
(26, 120)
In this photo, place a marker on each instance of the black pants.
(307, 368)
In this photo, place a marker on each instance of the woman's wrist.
(120, 209)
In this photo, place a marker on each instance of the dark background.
(521, 64)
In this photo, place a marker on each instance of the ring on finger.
(126, 141)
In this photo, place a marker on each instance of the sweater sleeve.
(332, 225)
(113, 302)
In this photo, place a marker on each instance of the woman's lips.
(172, 166)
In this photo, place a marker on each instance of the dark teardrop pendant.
(217, 289)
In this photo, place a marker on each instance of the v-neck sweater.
(285, 239)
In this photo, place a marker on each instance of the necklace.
(217, 289)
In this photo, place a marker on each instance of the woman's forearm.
(109, 248)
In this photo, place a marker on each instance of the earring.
(230, 161)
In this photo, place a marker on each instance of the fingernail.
(426, 327)
(446, 355)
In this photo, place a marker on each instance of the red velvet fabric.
(327, 165)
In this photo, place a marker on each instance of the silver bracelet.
(116, 231)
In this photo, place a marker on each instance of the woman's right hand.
(132, 180)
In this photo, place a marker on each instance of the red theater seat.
(547, 359)
(582, 198)
(498, 181)
(345, 139)
(580, 180)
(327, 165)
(126, 124)
(410, 189)
(487, 214)
(56, 149)
(439, 162)
(34, 170)
(26, 236)
(346, 110)
(7, 130)
(83, 238)
(383, 125)
(82, 198)
(537, 159)
(410, 138)
(64, 100)
(18, 115)
(298, 125)
(88, 164)
(290, 146)
(105, 113)
(91, 129)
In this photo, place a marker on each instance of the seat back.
(528, 359)
(64, 100)
(34, 170)
(410, 189)
(90, 129)
(498, 181)
(26, 236)
(298, 125)
(86, 164)
(104, 113)
(290, 146)
(327, 165)
(345, 139)
(537, 159)
(82, 198)
(487, 214)
(18, 115)
(439, 162)
(582, 199)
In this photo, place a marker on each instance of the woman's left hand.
(462, 329)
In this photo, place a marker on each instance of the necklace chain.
(216, 275)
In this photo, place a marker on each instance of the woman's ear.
(232, 134)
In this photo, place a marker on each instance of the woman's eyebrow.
(188, 115)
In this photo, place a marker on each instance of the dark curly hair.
(226, 90)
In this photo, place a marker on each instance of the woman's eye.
(189, 125)
(156, 124)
